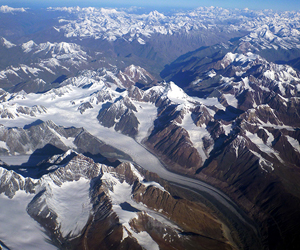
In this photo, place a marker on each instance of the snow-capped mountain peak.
(29, 46)
(7, 43)
(7, 9)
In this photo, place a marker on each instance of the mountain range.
(127, 130)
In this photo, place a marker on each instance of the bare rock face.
(184, 213)
(11, 182)
(135, 93)
(120, 115)
(201, 115)
(32, 111)
(84, 106)
(30, 138)
(173, 144)
(87, 143)
(135, 74)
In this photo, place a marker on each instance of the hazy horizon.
(155, 4)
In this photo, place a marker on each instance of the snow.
(227, 128)
(62, 112)
(146, 183)
(270, 74)
(71, 203)
(141, 41)
(154, 184)
(270, 138)
(3, 145)
(271, 125)
(121, 193)
(7, 43)
(146, 115)
(212, 101)
(145, 240)
(265, 29)
(196, 135)
(20, 230)
(242, 58)
(211, 73)
(259, 143)
(196, 81)
(231, 100)
(262, 146)
(175, 94)
(7, 9)
(28, 46)
(294, 143)
(263, 162)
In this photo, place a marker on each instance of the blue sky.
(251, 4)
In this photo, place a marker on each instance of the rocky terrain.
(170, 131)
(112, 207)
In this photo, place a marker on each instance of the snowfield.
(20, 230)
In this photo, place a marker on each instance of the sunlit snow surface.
(71, 203)
(196, 135)
(18, 230)
(146, 115)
